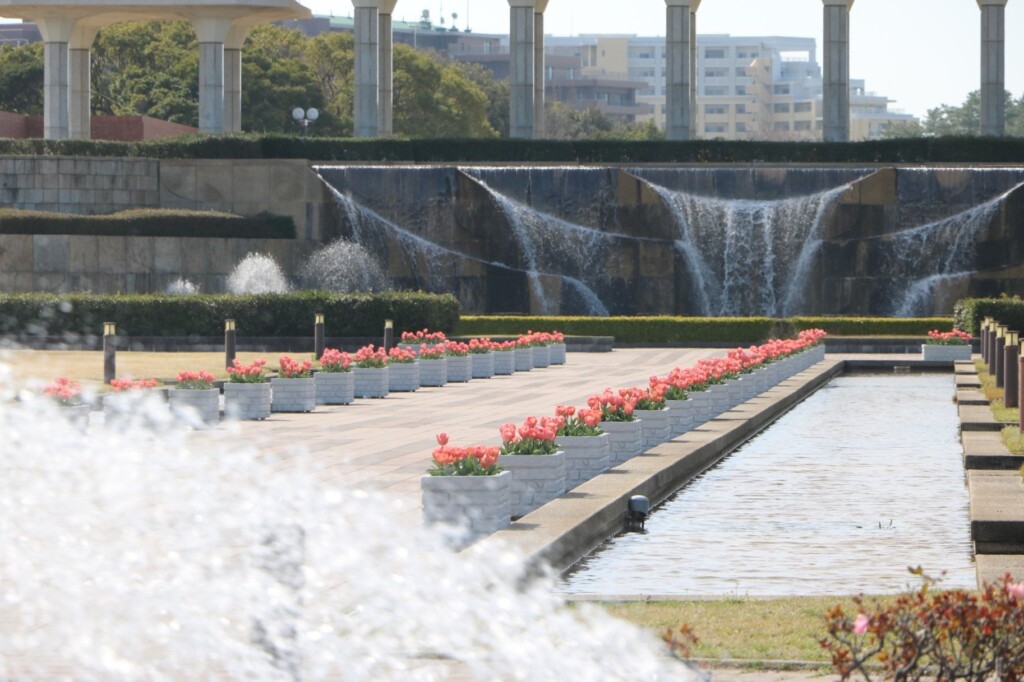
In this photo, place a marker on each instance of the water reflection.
(840, 496)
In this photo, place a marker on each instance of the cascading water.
(141, 554)
(749, 257)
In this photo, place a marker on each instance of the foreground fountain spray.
(257, 274)
(149, 554)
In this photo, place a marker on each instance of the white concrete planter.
(585, 457)
(404, 377)
(657, 426)
(680, 416)
(198, 407)
(933, 352)
(292, 395)
(734, 393)
(483, 365)
(334, 388)
(434, 372)
(536, 480)
(557, 353)
(247, 401)
(460, 369)
(626, 438)
(700, 407)
(481, 504)
(524, 359)
(541, 356)
(371, 382)
(719, 398)
(504, 362)
(78, 415)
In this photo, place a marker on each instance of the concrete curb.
(567, 529)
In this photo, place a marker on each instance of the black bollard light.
(229, 343)
(109, 352)
(389, 335)
(1011, 370)
(998, 360)
(318, 335)
(984, 340)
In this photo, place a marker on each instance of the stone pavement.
(385, 444)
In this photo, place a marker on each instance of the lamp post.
(304, 117)
(318, 335)
(229, 343)
(389, 335)
(109, 352)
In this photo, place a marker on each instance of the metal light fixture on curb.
(229, 343)
(318, 335)
(389, 334)
(109, 352)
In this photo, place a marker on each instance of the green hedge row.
(697, 329)
(203, 315)
(969, 313)
(150, 223)
(277, 146)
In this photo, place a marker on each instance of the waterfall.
(438, 263)
(748, 257)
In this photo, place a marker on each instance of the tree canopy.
(964, 119)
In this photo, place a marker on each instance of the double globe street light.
(304, 117)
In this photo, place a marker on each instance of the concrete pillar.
(232, 122)
(80, 97)
(211, 34)
(680, 68)
(521, 68)
(836, 86)
(539, 76)
(386, 112)
(55, 91)
(993, 72)
(367, 69)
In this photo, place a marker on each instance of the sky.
(921, 53)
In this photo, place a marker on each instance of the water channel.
(841, 495)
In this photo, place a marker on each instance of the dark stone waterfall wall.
(674, 240)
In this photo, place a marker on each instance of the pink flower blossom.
(860, 625)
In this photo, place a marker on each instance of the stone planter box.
(135, 405)
(626, 440)
(78, 415)
(719, 398)
(557, 353)
(585, 457)
(292, 395)
(680, 416)
(247, 401)
(460, 369)
(483, 365)
(371, 382)
(541, 356)
(334, 388)
(536, 480)
(938, 353)
(433, 372)
(524, 359)
(504, 362)
(657, 426)
(404, 377)
(481, 504)
(700, 407)
(198, 407)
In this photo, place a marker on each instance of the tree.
(276, 78)
(496, 91)
(566, 123)
(21, 79)
(331, 57)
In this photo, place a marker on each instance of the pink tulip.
(860, 625)
(1016, 590)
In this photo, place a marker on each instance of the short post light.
(1011, 369)
(997, 365)
(229, 343)
(985, 329)
(109, 352)
(318, 335)
(389, 335)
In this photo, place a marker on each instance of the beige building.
(747, 87)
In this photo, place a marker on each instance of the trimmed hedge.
(698, 329)
(277, 146)
(264, 315)
(150, 223)
(969, 313)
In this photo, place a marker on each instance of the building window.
(741, 108)
(741, 90)
(781, 89)
(802, 107)
(782, 126)
(802, 125)
(714, 91)
(781, 107)
(715, 128)
(716, 73)
(741, 127)
(714, 54)
(647, 92)
(741, 71)
(716, 109)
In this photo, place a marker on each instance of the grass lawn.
(86, 367)
(995, 395)
(784, 629)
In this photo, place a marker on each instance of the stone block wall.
(79, 185)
